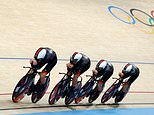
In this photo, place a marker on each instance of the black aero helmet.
(40, 54)
(101, 65)
(127, 69)
(75, 58)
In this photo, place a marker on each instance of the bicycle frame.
(60, 89)
(112, 90)
(23, 85)
(87, 88)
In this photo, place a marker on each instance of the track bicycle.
(90, 89)
(73, 93)
(26, 84)
(86, 89)
(113, 91)
(60, 90)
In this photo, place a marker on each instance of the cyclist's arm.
(69, 68)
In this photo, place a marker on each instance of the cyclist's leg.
(83, 67)
(105, 77)
(101, 83)
(46, 70)
(128, 83)
(132, 78)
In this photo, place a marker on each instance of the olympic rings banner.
(132, 18)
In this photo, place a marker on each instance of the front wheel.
(22, 88)
(109, 93)
(69, 99)
(85, 91)
(96, 92)
(94, 95)
(73, 93)
(120, 95)
(54, 95)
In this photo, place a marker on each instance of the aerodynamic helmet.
(40, 54)
(75, 58)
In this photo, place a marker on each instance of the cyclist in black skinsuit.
(131, 72)
(43, 56)
(103, 72)
(79, 63)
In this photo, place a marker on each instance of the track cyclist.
(103, 71)
(44, 56)
(79, 63)
(131, 72)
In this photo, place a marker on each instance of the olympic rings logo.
(132, 18)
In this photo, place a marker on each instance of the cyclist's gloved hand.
(94, 72)
(33, 63)
(33, 66)
(68, 69)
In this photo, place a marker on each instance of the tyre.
(93, 95)
(54, 97)
(22, 88)
(108, 94)
(68, 100)
(120, 96)
(73, 93)
(85, 91)
(65, 88)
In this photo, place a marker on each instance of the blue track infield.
(115, 111)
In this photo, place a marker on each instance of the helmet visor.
(73, 61)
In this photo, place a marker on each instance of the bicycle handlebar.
(62, 73)
(33, 69)
(67, 74)
(96, 79)
(26, 67)
(89, 76)
(120, 80)
(115, 78)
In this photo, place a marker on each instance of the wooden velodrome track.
(66, 26)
